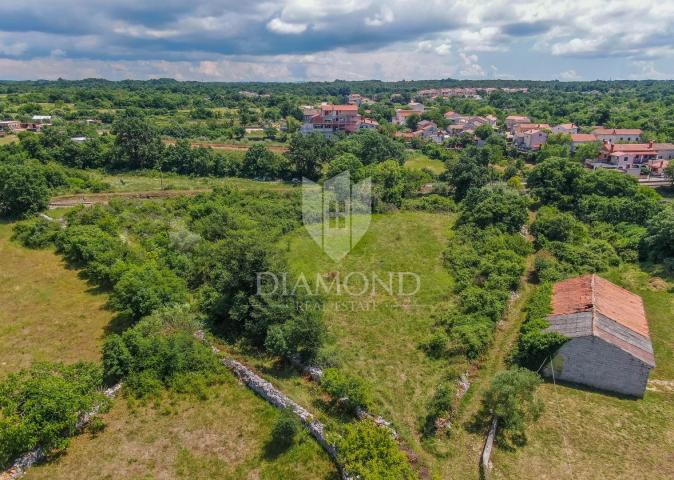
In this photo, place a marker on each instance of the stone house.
(615, 135)
(609, 346)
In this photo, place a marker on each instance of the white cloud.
(384, 16)
(569, 75)
(277, 25)
(470, 67)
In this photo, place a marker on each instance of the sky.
(301, 40)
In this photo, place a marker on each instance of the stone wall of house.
(593, 362)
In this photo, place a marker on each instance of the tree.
(351, 390)
(259, 162)
(137, 142)
(497, 205)
(511, 399)
(472, 170)
(556, 181)
(23, 190)
(659, 240)
(483, 132)
(372, 147)
(369, 452)
(553, 225)
(586, 150)
(345, 162)
(146, 287)
(308, 153)
(412, 121)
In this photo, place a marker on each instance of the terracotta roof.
(532, 126)
(617, 131)
(406, 113)
(567, 125)
(517, 117)
(623, 148)
(591, 293)
(583, 137)
(330, 108)
(663, 146)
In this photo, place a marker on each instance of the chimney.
(650, 144)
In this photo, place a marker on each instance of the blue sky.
(281, 40)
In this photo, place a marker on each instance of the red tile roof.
(617, 131)
(591, 293)
(583, 137)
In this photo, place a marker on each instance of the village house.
(10, 125)
(417, 107)
(529, 138)
(566, 128)
(665, 151)
(333, 119)
(512, 120)
(627, 156)
(581, 139)
(368, 123)
(615, 135)
(42, 119)
(609, 346)
(401, 116)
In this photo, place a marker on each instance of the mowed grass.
(418, 160)
(585, 434)
(227, 436)
(379, 335)
(48, 313)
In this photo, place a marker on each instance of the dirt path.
(233, 147)
(103, 198)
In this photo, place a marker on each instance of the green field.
(418, 160)
(378, 335)
(7, 139)
(226, 436)
(48, 312)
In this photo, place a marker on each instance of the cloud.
(569, 75)
(279, 26)
(144, 34)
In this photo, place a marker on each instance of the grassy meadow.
(418, 160)
(48, 312)
(227, 436)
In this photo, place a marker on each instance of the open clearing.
(48, 312)
(379, 335)
(418, 160)
(227, 436)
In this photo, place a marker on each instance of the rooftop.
(617, 131)
(591, 293)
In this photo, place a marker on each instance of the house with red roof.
(609, 345)
(581, 139)
(615, 135)
(513, 120)
(333, 119)
(625, 156)
(567, 128)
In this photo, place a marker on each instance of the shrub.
(286, 428)
(511, 398)
(354, 392)
(146, 287)
(36, 232)
(23, 190)
(495, 205)
(40, 406)
(430, 203)
(369, 452)
(436, 345)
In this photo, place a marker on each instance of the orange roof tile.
(617, 131)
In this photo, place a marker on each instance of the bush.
(354, 392)
(369, 452)
(23, 190)
(511, 398)
(161, 351)
(146, 287)
(40, 406)
(430, 203)
(436, 345)
(495, 205)
(36, 232)
(286, 428)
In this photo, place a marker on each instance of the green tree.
(497, 205)
(23, 190)
(511, 399)
(137, 142)
(259, 162)
(556, 181)
(659, 240)
(308, 153)
(354, 391)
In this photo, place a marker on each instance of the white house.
(615, 135)
(567, 128)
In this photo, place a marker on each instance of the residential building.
(626, 156)
(581, 139)
(368, 123)
(10, 125)
(615, 135)
(42, 119)
(333, 119)
(513, 120)
(417, 107)
(566, 128)
(401, 116)
(529, 138)
(609, 345)
(665, 151)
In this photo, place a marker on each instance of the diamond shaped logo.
(337, 214)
